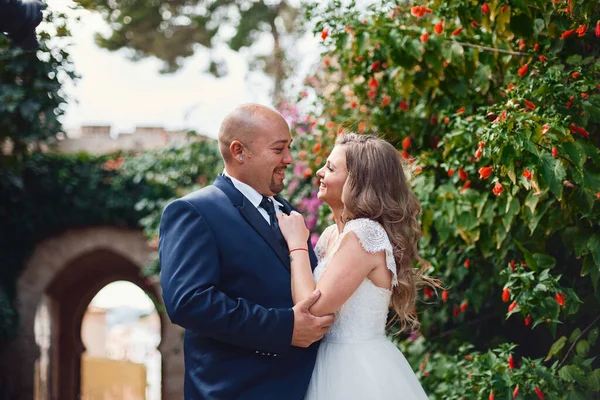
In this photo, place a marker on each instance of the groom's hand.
(308, 328)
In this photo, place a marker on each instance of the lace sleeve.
(322, 244)
(374, 238)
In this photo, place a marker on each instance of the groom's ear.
(236, 148)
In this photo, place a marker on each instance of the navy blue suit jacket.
(226, 279)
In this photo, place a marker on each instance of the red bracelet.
(299, 248)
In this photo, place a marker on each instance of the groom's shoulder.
(206, 195)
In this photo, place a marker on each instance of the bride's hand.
(293, 229)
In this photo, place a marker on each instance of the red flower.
(527, 174)
(481, 144)
(324, 34)
(528, 320)
(506, 295)
(598, 195)
(503, 8)
(478, 153)
(536, 47)
(403, 105)
(465, 186)
(516, 392)
(457, 32)
(529, 104)
(405, 155)
(582, 131)
(543, 59)
(375, 66)
(521, 44)
(485, 172)
(467, 263)
(545, 129)
(456, 310)
(597, 31)
(450, 172)
(460, 110)
(462, 174)
(554, 152)
(427, 292)
(498, 189)
(419, 11)
(439, 28)
(446, 120)
(406, 143)
(385, 101)
(511, 362)
(559, 299)
(566, 34)
(485, 8)
(512, 265)
(424, 37)
(539, 393)
(492, 397)
(585, 95)
(353, 104)
(468, 357)
(373, 83)
(445, 295)
(372, 93)
(474, 24)
(575, 75)
(523, 70)
(512, 306)
(464, 305)
(581, 30)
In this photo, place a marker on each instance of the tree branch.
(575, 342)
(491, 49)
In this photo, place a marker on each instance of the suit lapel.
(253, 217)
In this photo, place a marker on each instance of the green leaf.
(571, 373)
(594, 380)
(574, 335)
(582, 348)
(574, 59)
(593, 336)
(556, 347)
(544, 261)
(574, 153)
(482, 78)
(553, 173)
(538, 26)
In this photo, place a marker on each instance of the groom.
(226, 272)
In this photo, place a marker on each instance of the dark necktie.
(267, 205)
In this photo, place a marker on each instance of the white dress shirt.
(254, 197)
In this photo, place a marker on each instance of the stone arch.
(67, 271)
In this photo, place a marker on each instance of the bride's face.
(332, 177)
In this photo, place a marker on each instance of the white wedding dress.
(356, 361)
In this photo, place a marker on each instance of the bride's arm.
(350, 265)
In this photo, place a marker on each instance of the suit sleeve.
(189, 277)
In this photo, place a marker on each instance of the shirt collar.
(249, 192)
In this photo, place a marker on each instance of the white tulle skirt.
(370, 369)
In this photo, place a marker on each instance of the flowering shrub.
(496, 108)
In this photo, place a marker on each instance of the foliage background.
(495, 106)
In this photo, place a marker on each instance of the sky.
(124, 94)
(122, 293)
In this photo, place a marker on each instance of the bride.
(365, 264)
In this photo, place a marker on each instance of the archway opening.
(120, 331)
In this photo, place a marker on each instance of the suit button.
(256, 351)
(274, 354)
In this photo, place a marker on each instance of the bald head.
(245, 124)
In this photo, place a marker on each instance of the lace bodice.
(364, 314)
